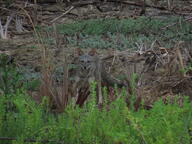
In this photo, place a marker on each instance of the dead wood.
(159, 71)
(93, 2)
(72, 7)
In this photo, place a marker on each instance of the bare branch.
(63, 14)
(3, 29)
(19, 24)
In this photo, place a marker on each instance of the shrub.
(168, 123)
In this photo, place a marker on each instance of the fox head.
(87, 61)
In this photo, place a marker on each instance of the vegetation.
(124, 33)
(23, 120)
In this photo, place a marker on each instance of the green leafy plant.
(164, 123)
(9, 76)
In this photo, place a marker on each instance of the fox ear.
(78, 52)
(92, 52)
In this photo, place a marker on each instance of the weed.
(123, 34)
(22, 119)
(168, 123)
(10, 79)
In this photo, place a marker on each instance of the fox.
(90, 68)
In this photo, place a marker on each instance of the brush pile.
(162, 73)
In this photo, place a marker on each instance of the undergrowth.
(22, 119)
(124, 33)
(163, 124)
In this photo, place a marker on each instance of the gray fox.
(89, 68)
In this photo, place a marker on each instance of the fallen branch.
(31, 140)
(91, 2)
(72, 7)
(116, 54)
(138, 4)
(181, 63)
(3, 29)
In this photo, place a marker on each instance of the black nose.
(85, 67)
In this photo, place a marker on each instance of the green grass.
(124, 33)
(163, 124)
(113, 26)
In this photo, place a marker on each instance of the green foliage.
(164, 123)
(22, 118)
(30, 79)
(9, 76)
(188, 69)
(133, 85)
(103, 26)
(12, 78)
(124, 33)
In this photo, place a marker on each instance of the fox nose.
(85, 67)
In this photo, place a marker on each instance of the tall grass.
(26, 121)
(162, 124)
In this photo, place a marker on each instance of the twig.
(62, 14)
(3, 29)
(181, 64)
(82, 3)
(19, 25)
(164, 28)
(112, 56)
(31, 140)
(188, 54)
(113, 61)
(46, 86)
